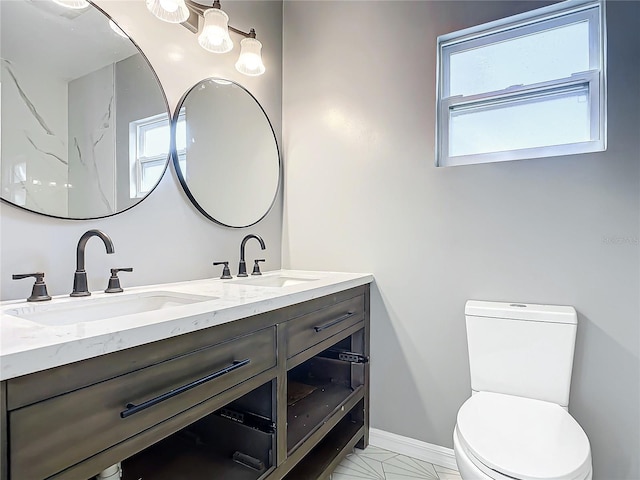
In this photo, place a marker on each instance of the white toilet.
(516, 424)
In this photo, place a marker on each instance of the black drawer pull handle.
(334, 322)
(131, 408)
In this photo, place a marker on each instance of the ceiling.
(65, 43)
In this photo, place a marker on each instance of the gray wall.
(362, 194)
(164, 238)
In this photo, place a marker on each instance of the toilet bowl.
(516, 425)
(503, 437)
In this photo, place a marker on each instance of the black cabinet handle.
(131, 408)
(334, 322)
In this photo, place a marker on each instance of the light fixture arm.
(196, 10)
(251, 34)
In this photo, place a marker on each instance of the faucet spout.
(82, 243)
(242, 268)
(80, 287)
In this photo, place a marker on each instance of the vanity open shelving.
(319, 388)
(348, 433)
(279, 391)
(235, 443)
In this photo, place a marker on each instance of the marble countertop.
(27, 346)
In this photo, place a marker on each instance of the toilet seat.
(523, 438)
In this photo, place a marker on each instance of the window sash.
(516, 94)
(525, 24)
(143, 128)
(137, 160)
(510, 32)
(513, 94)
(141, 165)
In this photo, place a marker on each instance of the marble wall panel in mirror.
(85, 130)
(226, 153)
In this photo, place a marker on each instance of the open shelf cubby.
(337, 444)
(233, 443)
(318, 389)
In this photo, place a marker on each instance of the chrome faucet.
(242, 268)
(80, 288)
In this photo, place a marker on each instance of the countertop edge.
(62, 351)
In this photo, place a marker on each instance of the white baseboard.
(413, 448)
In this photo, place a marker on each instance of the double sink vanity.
(262, 377)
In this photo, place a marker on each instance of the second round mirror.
(225, 153)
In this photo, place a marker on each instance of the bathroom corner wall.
(164, 238)
(363, 194)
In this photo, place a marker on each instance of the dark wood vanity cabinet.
(283, 394)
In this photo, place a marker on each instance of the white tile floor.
(374, 463)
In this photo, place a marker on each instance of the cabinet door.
(50, 436)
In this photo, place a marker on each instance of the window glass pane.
(151, 173)
(155, 139)
(19, 172)
(552, 119)
(538, 57)
(181, 133)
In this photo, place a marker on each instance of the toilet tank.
(521, 349)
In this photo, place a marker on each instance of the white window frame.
(564, 13)
(136, 145)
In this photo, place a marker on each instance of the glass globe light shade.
(171, 11)
(214, 36)
(250, 60)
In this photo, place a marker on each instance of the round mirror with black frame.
(225, 153)
(85, 122)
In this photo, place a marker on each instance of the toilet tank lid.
(522, 311)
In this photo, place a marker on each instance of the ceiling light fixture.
(212, 26)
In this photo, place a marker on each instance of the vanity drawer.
(52, 435)
(308, 330)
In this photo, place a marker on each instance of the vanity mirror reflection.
(226, 154)
(85, 130)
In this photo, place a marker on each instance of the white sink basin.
(274, 280)
(90, 309)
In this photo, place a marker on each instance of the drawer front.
(50, 436)
(309, 330)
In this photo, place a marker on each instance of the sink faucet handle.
(114, 281)
(39, 290)
(256, 266)
(226, 273)
(114, 271)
